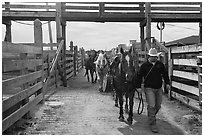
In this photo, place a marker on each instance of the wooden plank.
(10, 120)
(69, 53)
(176, 3)
(186, 100)
(20, 64)
(70, 64)
(69, 58)
(123, 8)
(17, 48)
(20, 80)
(186, 49)
(176, 8)
(71, 7)
(70, 75)
(187, 75)
(186, 62)
(11, 101)
(187, 88)
(33, 7)
(30, 15)
(70, 70)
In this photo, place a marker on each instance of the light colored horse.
(101, 69)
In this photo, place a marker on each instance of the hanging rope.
(141, 102)
(30, 24)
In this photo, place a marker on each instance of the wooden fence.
(27, 71)
(22, 84)
(183, 70)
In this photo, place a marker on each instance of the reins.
(141, 102)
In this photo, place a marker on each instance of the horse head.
(126, 64)
(101, 61)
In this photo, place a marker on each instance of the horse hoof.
(121, 119)
(129, 120)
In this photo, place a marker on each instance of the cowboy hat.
(153, 52)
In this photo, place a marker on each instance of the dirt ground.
(80, 109)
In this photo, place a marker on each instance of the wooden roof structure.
(105, 11)
(142, 12)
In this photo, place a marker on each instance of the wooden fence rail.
(24, 91)
(184, 74)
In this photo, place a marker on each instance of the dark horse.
(124, 81)
(90, 66)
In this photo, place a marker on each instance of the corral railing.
(22, 85)
(184, 75)
(28, 71)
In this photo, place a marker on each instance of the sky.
(105, 36)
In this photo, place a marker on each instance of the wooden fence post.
(75, 60)
(8, 36)
(38, 40)
(170, 70)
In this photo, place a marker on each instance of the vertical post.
(101, 9)
(142, 25)
(200, 31)
(142, 37)
(170, 64)
(200, 25)
(64, 52)
(75, 60)
(82, 57)
(58, 22)
(71, 46)
(38, 40)
(8, 25)
(61, 31)
(148, 24)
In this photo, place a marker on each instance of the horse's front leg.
(95, 77)
(131, 103)
(126, 102)
(87, 74)
(121, 117)
(91, 71)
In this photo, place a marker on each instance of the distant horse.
(90, 66)
(124, 81)
(101, 68)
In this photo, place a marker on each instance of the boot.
(152, 119)
(154, 128)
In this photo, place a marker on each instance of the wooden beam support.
(58, 21)
(148, 24)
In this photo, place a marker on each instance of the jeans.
(154, 100)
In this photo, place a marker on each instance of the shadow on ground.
(140, 127)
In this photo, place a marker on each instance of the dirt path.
(85, 111)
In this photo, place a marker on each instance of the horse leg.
(96, 76)
(116, 99)
(131, 103)
(121, 117)
(87, 74)
(91, 71)
(126, 102)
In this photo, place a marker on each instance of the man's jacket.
(154, 78)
